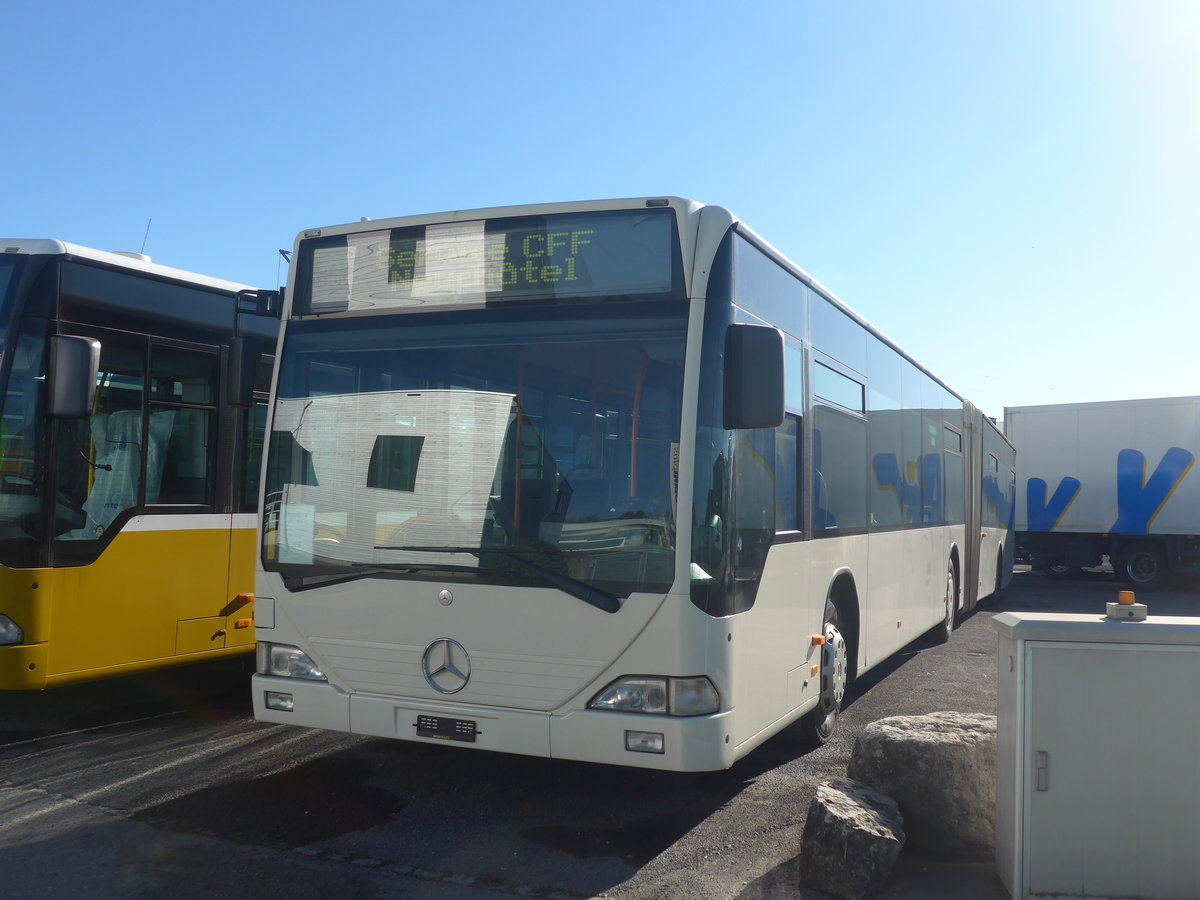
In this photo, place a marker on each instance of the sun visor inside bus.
(753, 377)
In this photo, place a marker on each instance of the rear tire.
(1142, 565)
(816, 726)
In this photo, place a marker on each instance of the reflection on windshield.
(365, 451)
(511, 461)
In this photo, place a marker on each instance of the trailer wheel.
(1142, 565)
(816, 726)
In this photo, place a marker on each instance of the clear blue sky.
(1009, 190)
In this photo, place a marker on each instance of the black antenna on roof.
(146, 236)
(287, 257)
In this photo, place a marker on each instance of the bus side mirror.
(753, 377)
(266, 303)
(244, 359)
(74, 364)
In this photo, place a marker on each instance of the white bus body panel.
(524, 700)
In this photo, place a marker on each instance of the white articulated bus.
(610, 481)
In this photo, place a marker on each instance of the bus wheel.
(816, 726)
(942, 633)
(1142, 565)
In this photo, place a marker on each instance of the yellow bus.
(132, 407)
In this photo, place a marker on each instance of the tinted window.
(839, 472)
(180, 457)
(101, 458)
(831, 385)
(114, 299)
(838, 335)
(9, 266)
(787, 474)
(767, 290)
(255, 429)
(183, 376)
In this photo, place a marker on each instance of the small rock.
(851, 839)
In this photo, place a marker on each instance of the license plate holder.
(445, 729)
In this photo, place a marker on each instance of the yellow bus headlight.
(10, 631)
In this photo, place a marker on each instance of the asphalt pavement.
(748, 849)
(119, 790)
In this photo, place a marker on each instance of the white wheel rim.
(833, 668)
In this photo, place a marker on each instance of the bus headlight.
(285, 661)
(693, 697)
(659, 695)
(10, 631)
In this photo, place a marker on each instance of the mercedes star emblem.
(447, 666)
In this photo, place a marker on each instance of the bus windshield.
(22, 456)
(8, 278)
(519, 445)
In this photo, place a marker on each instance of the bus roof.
(132, 261)
(684, 207)
(502, 212)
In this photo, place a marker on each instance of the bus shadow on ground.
(212, 689)
(449, 813)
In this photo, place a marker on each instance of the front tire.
(941, 634)
(816, 726)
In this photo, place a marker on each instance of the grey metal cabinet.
(1098, 756)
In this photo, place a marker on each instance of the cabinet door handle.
(1041, 767)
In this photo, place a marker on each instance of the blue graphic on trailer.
(1043, 514)
(1140, 499)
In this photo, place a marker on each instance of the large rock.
(851, 839)
(941, 769)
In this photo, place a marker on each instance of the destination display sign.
(623, 253)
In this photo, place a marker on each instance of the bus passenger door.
(239, 612)
(146, 567)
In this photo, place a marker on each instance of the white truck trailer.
(1112, 479)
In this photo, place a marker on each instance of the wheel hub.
(833, 668)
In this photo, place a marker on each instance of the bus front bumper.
(691, 744)
(23, 667)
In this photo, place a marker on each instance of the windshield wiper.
(353, 571)
(373, 568)
(593, 596)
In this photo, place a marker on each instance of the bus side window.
(179, 457)
(787, 474)
(839, 453)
